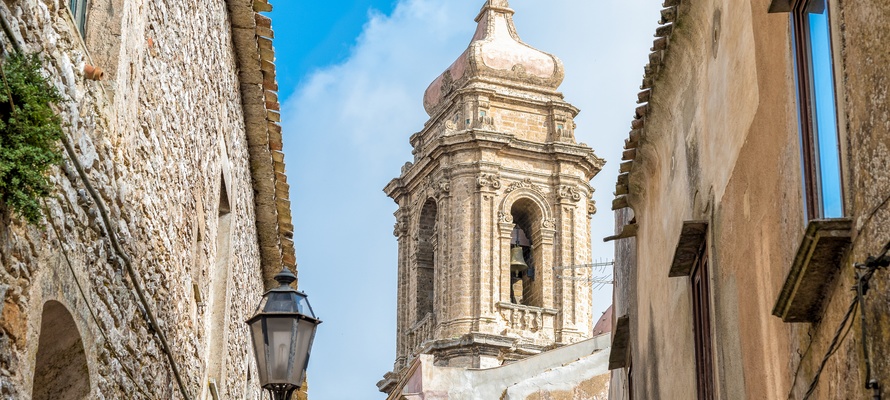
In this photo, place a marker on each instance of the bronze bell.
(517, 260)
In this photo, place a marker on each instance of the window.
(701, 318)
(818, 114)
(79, 10)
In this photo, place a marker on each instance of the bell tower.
(493, 207)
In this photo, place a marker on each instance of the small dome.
(496, 54)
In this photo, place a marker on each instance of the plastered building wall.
(720, 143)
(163, 140)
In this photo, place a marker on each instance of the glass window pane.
(79, 11)
(824, 115)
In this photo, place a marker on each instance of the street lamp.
(282, 332)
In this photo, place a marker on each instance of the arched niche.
(528, 217)
(60, 371)
(526, 207)
(425, 253)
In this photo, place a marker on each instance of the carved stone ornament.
(401, 226)
(488, 181)
(447, 82)
(399, 229)
(523, 318)
(443, 186)
(591, 208)
(519, 70)
(436, 188)
(524, 184)
(505, 217)
(569, 192)
(549, 224)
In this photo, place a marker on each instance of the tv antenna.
(600, 273)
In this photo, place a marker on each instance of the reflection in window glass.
(79, 10)
(822, 110)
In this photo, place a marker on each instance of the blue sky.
(316, 34)
(352, 75)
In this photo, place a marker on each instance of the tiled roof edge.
(660, 47)
(252, 39)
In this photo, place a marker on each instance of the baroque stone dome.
(496, 55)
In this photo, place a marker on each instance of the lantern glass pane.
(303, 306)
(259, 349)
(281, 333)
(305, 336)
(280, 302)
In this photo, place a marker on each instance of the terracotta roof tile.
(660, 47)
(252, 37)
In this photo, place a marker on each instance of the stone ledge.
(779, 6)
(619, 355)
(689, 248)
(815, 266)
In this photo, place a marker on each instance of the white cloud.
(347, 133)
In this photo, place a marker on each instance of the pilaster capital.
(400, 229)
(567, 193)
(488, 181)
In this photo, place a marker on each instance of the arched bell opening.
(60, 371)
(426, 261)
(525, 246)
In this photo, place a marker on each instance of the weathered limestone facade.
(182, 147)
(716, 143)
(498, 153)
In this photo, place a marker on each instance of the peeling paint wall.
(721, 144)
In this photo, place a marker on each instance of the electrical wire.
(871, 266)
(86, 299)
(125, 259)
(153, 325)
(152, 321)
(832, 348)
(871, 215)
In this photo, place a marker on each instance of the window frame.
(806, 108)
(699, 280)
(78, 10)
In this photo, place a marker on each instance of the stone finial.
(496, 54)
(496, 4)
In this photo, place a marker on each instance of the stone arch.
(425, 254)
(530, 193)
(528, 218)
(526, 206)
(61, 371)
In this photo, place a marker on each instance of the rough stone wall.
(156, 142)
(721, 144)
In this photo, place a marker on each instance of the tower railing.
(418, 334)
